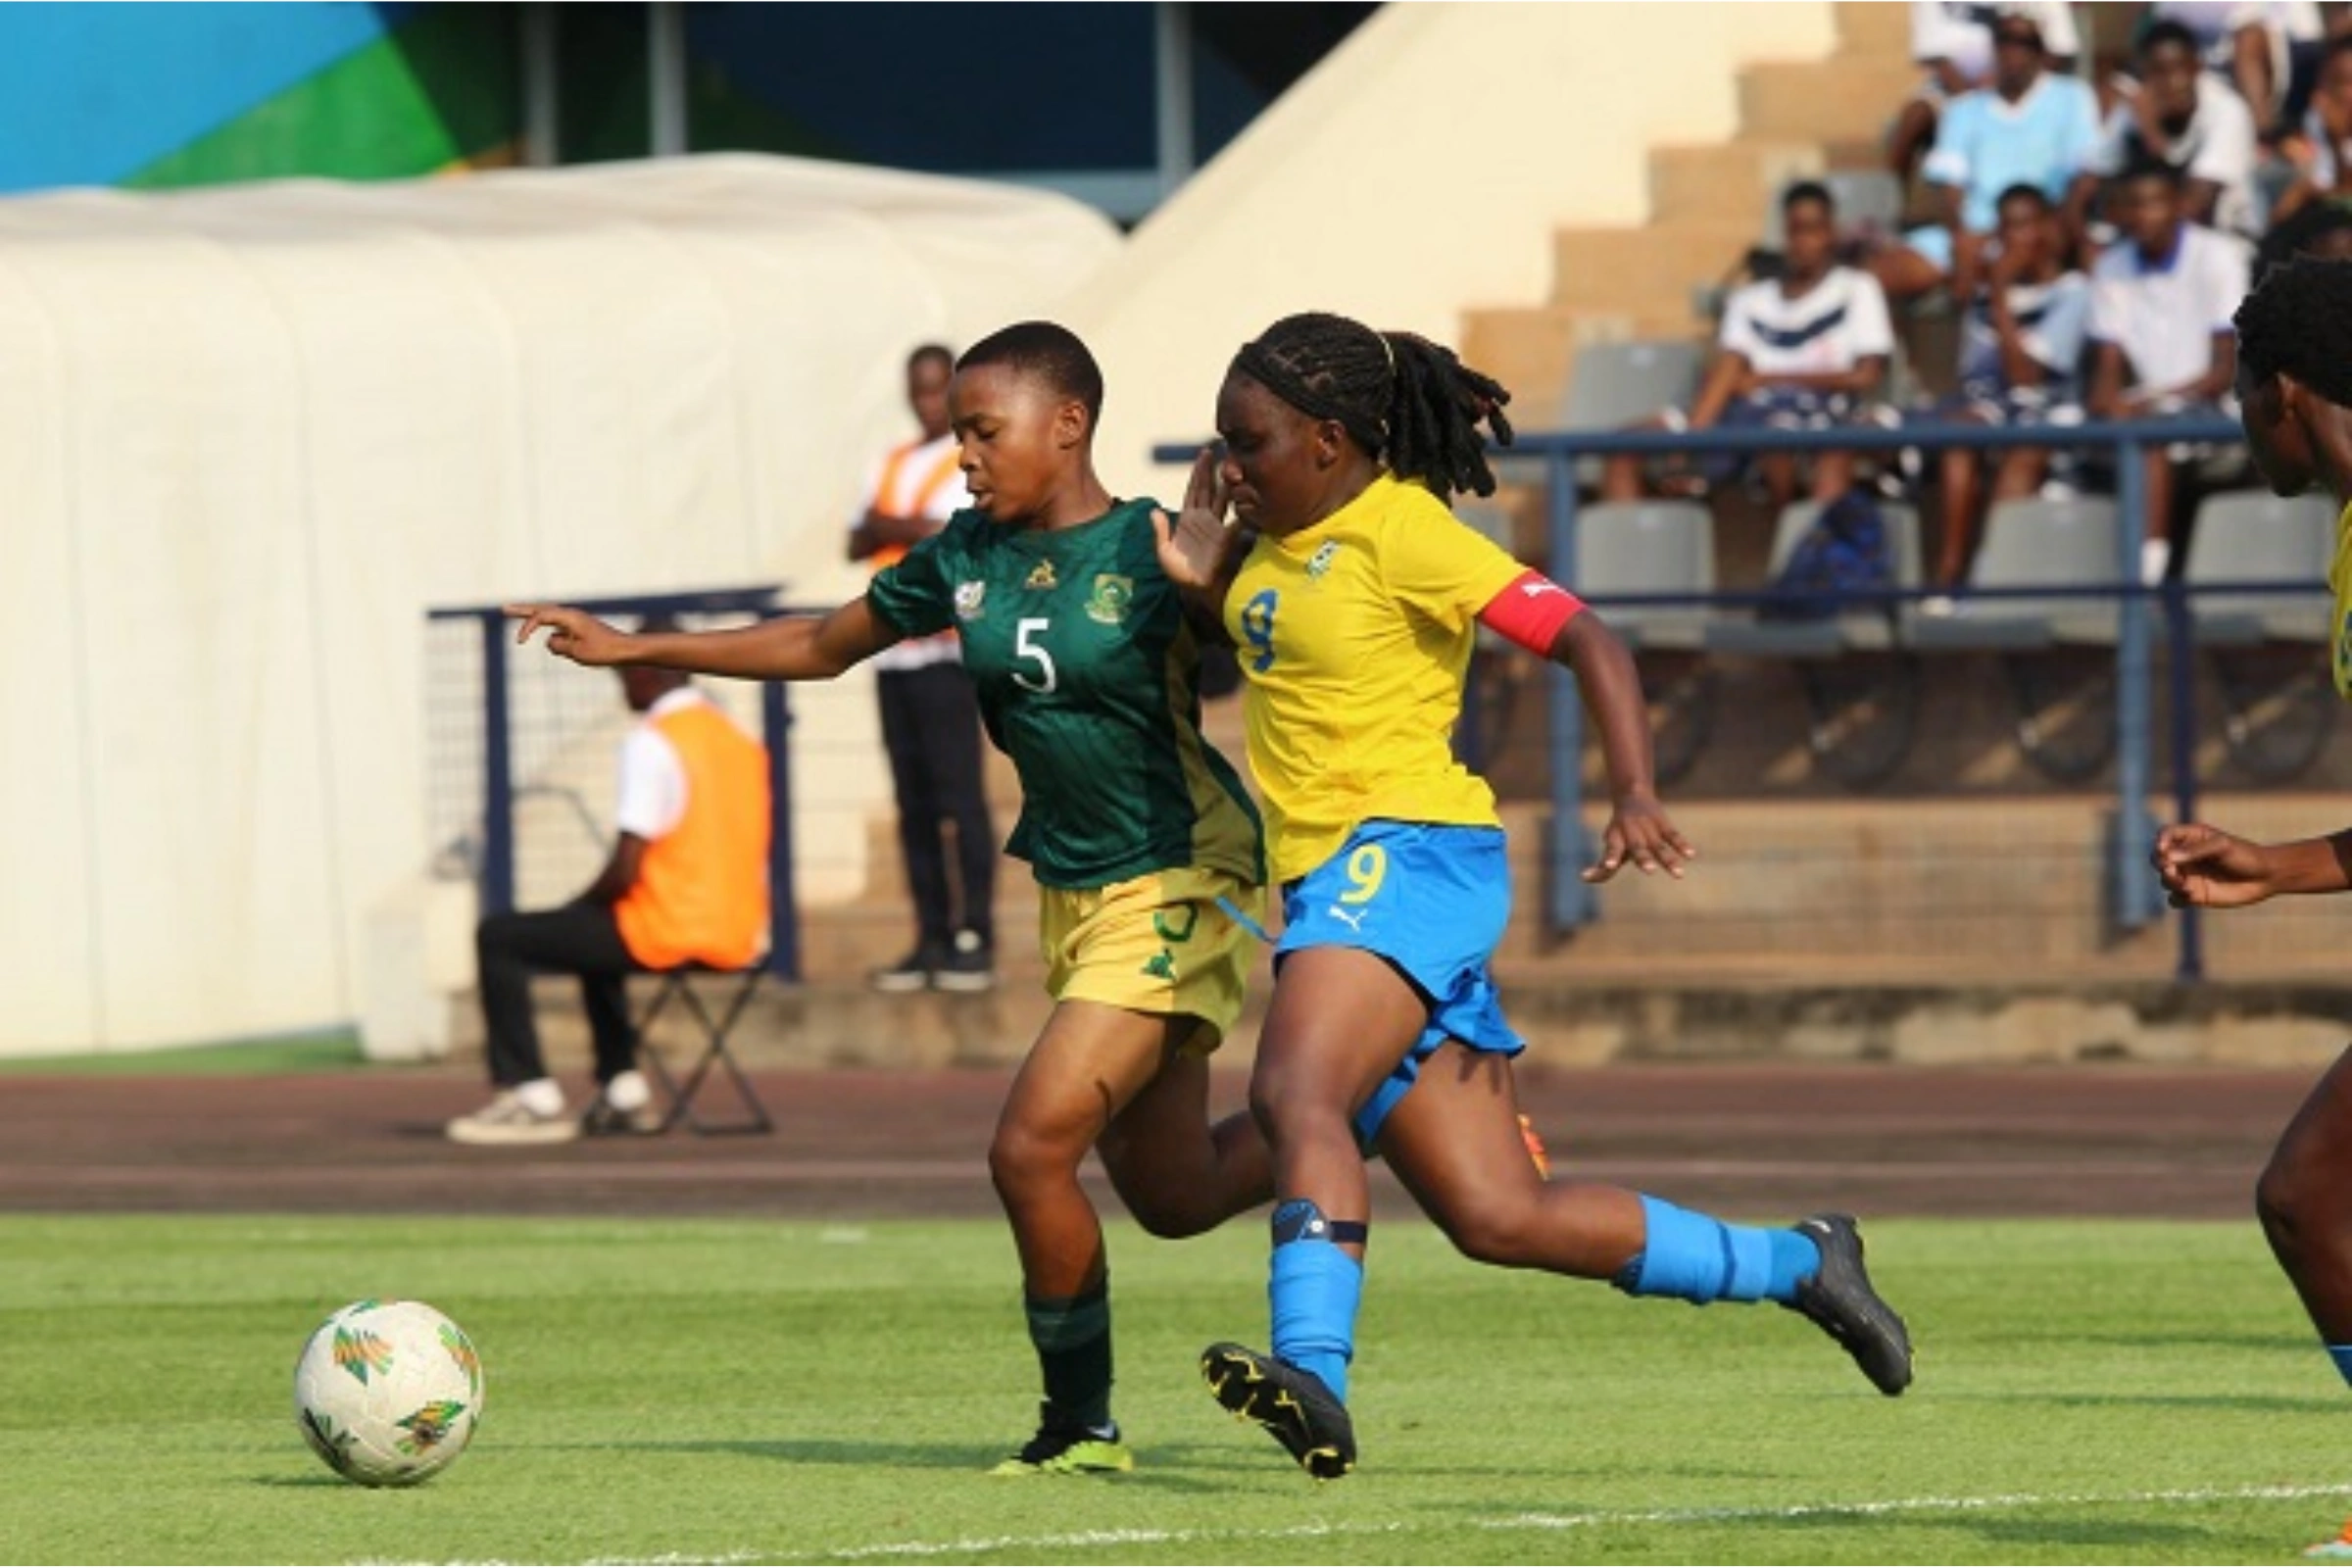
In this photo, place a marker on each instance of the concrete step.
(1847, 98)
(1880, 30)
(1650, 271)
(1727, 181)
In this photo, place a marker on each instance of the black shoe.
(1839, 1300)
(1291, 1403)
(1068, 1451)
(912, 973)
(969, 966)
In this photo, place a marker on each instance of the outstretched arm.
(1638, 829)
(787, 648)
(2204, 866)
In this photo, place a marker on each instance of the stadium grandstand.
(400, 308)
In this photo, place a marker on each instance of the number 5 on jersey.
(1025, 645)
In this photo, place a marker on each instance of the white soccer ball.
(387, 1392)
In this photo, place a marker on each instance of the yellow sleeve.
(1440, 566)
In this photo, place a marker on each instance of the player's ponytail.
(1407, 402)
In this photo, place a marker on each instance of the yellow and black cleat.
(1293, 1405)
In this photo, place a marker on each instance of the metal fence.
(2145, 624)
(521, 751)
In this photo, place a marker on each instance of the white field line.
(1602, 1518)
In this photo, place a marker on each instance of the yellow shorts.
(1159, 944)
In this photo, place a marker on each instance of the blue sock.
(1314, 1288)
(1698, 1258)
(2341, 1355)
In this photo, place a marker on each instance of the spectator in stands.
(1953, 40)
(686, 883)
(2260, 47)
(2175, 113)
(1804, 351)
(2320, 146)
(2020, 355)
(2027, 126)
(2160, 301)
(930, 716)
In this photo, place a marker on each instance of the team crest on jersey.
(1111, 595)
(1042, 576)
(1320, 561)
(968, 598)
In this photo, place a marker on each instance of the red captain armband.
(1531, 611)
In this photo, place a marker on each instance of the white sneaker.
(507, 1120)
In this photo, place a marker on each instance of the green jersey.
(1089, 678)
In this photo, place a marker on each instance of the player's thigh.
(2316, 1148)
(1455, 1140)
(1086, 1066)
(1341, 1020)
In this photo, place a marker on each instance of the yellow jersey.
(2339, 579)
(1354, 635)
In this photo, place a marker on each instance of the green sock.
(1072, 1336)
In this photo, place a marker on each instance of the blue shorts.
(1432, 900)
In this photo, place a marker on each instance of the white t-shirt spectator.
(1833, 325)
(1984, 144)
(1961, 32)
(652, 780)
(2163, 315)
(2051, 318)
(2214, 24)
(2217, 145)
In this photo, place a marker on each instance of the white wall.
(248, 435)
(1419, 170)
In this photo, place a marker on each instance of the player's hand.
(574, 634)
(1192, 544)
(1640, 831)
(2209, 868)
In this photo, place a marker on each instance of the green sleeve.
(915, 593)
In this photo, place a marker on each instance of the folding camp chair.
(677, 985)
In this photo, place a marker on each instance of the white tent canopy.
(248, 435)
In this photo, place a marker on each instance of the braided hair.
(1407, 402)
(2298, 323)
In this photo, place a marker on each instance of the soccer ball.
(387, 1392)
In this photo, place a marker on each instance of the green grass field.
(728, 1391)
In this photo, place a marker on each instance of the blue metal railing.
(2134, 896)
(496, 632)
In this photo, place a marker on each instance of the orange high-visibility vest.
(701, 894)
(920, 504)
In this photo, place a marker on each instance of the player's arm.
(1546, 619)
(786, 648)
(2202, 866)
(1201, 548)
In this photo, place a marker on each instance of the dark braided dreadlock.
(2298, 323)
(1408, 402)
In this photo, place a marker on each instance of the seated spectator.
(2028, 127)
(2260, 47)
(686, 883)
(1953, 40)
(2175, 113)
(2160, 300)
(2320, 146)
(2020, 355)
(1803, 351)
